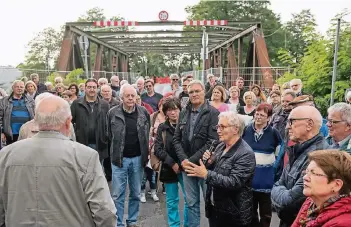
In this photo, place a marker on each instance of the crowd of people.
(251, 152)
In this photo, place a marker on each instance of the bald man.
(303, 126)
(50, 179)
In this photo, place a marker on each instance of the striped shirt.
(19, 115)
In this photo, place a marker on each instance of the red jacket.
(337, 214)
(147, 107)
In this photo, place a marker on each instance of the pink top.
(223, 108)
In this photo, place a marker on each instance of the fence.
(229, 75)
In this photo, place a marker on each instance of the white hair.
(58, 79)
(41, 97)
(174, 75)
(299, 81)
(250, 93)
(209, 76)
(140, 79)
(33, 75)
(123, 82)
(104, 80)
(344, 109)
(348, 96)
(16, 82)
(234, 120)
(124, 87)
(106, 86)
(196, 82)
(51, 113)
(48, 83)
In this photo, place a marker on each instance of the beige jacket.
(30, 128)
(49, 180)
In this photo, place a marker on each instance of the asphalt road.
(154, 214)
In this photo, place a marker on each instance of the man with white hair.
(50, 180)
(30, 128)
(140, 84)
(296, 86)
(106, 93)
(339, 125)
(303, 125)
(174, 86)
(101, 82)
(49, 86)
(115, 83)
(15, 110)
(128, 127)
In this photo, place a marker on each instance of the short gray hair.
(102, 80)
(33, 75)
(174, 75)
(289, 92)
(47, 83)
(123, 82)
(344, 109)
(295, 80)
(140, 79)
(124, 87)
(41, 97)
(58, 79)
(233, 119)
(196, 82)
(54, 119)
(16, 82)
(250, 93)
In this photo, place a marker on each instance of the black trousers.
(261, 202)
(107, 168)
(10, 140)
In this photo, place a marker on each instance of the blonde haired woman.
(218, 98)
(31, 89)
(250, 107)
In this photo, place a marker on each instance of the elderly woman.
(275, 101)
(250, 107)
(229, 176)
(31, 89)
(260, 96)
(234, 101)
(327, 184)
(170, 173)
(218, 98)
(60, 88)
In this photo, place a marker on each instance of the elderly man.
(102, 82)
(296, 86)
(193, 135)
(49, 86)
(115, 83)
(49, 180)
(128, 131)
(40, 86)
(303, 126)
(174, 87)
(151, 97)
(89, 119)
(31, 128)
(106, 93)
(15, 110)
(339, 125)
(140, 85)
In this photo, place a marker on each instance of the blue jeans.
(172, 202)
(130, 172)
(192, 187)
(148, 175)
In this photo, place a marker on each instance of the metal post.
(86, 62)
(204, 52)
(335, 64)
(254, 61)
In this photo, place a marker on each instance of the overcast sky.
(22, 20)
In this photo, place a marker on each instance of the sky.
(22, 20)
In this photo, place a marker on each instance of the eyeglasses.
(222, 127)
(195, 92)
(311, 172)
(292, 120)
(175, 79)
(332, 122)
(147, 86)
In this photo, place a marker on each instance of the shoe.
(154, 196)
(142, 197)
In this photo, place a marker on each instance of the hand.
(184, 163)
(175, 168)
(195, 170)
(3, 137)
(206, 155)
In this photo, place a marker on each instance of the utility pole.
(335, 63)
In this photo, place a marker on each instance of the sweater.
(264, 145)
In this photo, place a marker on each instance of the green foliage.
(76, 76)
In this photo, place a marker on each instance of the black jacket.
(229, 178)
(116, 130)
(80, 112)
(287, 196)
(204, 133)
(166, 154)
(41, 88)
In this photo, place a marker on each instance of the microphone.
(211, 149)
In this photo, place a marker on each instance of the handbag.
(155, 161)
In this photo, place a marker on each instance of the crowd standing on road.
(251, 152)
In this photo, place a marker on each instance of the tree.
(244, 11)
(301, 31)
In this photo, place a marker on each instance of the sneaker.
(154, 196)
(142, 197)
